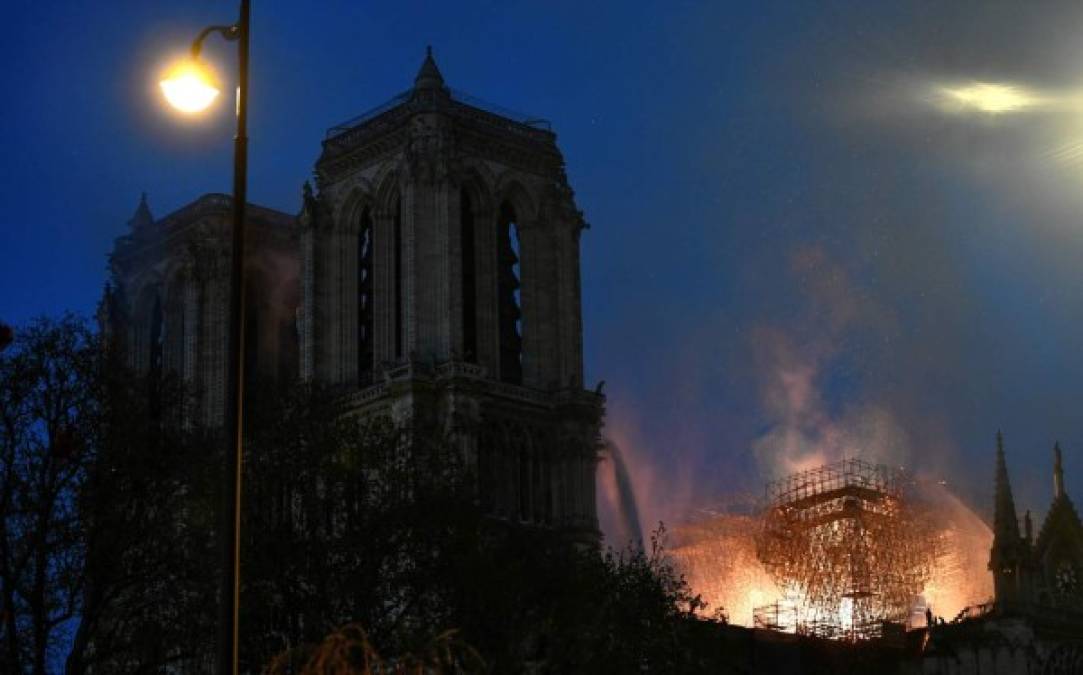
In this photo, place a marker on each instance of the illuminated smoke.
(804, 429)
(807, 422)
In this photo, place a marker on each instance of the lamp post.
(191, 88)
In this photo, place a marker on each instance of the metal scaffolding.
(846, 548)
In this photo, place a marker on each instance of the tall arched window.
(398, 296)
(156, 336)
(509, 312)
(156, 343)
(364, 297)
(469, 285)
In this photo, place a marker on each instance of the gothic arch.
(479, 183)
(387, 191)
(147, 294)
(509, 188)
(390, 223)
(147, 281)
(147, 301)
(174, 306)
(472, 229)
(360, 197)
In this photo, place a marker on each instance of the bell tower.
(440, 282)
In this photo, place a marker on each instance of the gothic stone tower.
(167, 302)
(440, 282)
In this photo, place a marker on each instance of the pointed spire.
(1005, 521)
(1058, 472)
(142, 216)
(428, 76)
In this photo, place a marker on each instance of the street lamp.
(191, 87)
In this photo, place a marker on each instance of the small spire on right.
(1058, 472)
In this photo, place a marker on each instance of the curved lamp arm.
(230, 33)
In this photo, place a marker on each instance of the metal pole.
(231, 589)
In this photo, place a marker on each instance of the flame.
(718, 559)
(717, 555)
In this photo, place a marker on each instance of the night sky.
(797, 247)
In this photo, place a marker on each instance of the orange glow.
(960, 578)
(717, 555)
(718, 558)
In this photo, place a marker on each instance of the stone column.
(383, 285)
(306, 312)
(191, 312)
(567, 316)
(428, 247)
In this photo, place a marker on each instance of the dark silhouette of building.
(432, 277)
(1034, 623)
(1034, 574)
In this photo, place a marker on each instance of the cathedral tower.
(1009, 558)
(440, 281)
(167, 304)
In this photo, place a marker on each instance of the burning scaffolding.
(846, 547)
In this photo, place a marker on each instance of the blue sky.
(792, 250)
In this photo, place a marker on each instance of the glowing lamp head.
(190, 86)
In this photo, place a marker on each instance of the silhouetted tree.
(359, 521)
(347, 520)
(108, 546)
(48, 409)
(106, 517)
(147, 509)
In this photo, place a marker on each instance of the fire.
(717, 555)
(718, 558)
